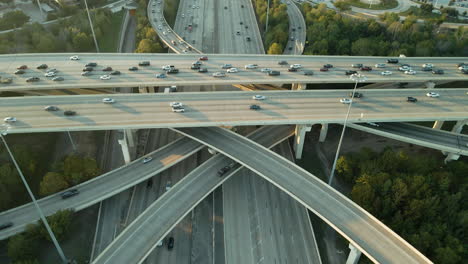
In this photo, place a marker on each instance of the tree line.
(417, 196)
(147, 40)
(331, 33)
(276, 38)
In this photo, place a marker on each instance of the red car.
(203, 58)
(366, 68)
(323, 69)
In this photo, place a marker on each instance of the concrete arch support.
(299, 86)
(354, 255)
(323, 132)
(438, 124)
(300, 138)
(458, 127)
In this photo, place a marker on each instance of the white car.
(178, 110)
(219, 74)
(432, 94)
(295, 66)
(164, 33)
(266, 70)
(147, 159)
(183, 15)
(259, 97)
(410, 72)
(9, 119)
(50, 74)
(463, 67)
(108, 100)
(167, 67)
(380, 65)
(175, 104)
(373, 124)
(105, 77)
(428, 65)
(52, 70)
(160, 27)
(232, 70)
(345, 100)
(193, 7)
(74, 57)
(404, 68)
(251, 66)
(386, 73)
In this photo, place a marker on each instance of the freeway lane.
(423, 136)
(102, 187)
(142, 235)
(146, 76)
(229, 108)
(363, 230)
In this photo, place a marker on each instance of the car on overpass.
(283, 62)
(58, 79)
(203, 70)
(350, 72)
(232, 70)
(51, 108)
(345, 100)
(255, 107)
(144, 63)
(33, 79)
(147, 159)
(266, 69)
(74, 58)
(69, 193)
(22, 67)
(308, 73)
(259, 97)
(9, 119)
(86, 73)
(161, 76)
(219, 74)
(108, 100)
(432, 94)
(91, 64)
(226, 66)
(49, 74)
(133, 68)
(251, 66)
(20, 71)
(410, 72)
(356, 95)
(6, 80)
(380, 65)
(357, 65)
(392, 61)
(42, 66)
(170, 243)
(105, 77)
(386, 73)
(69, 113)
(274, 73)
(203, 58)
(411, 99)
(175, 104)
(6, 225)
(438, 71)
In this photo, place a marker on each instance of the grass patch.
(109, 40)
(170, 11)
(385, 4)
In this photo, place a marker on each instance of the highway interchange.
(229, 108)
(146, 76)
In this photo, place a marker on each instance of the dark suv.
(255, 107)
(69, 113)
(393, 61)
(350, 72)
(69, 193)
(144, 63)
(223, 170)
(42, 66)
(6, 225)
(411, 99)
(170, 243)
(172, 71)
(91, 64)
(356, 95)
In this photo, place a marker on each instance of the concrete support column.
(450, 157)
(124, 146)
(130, 135)
(430, 84)
(438, 124)
(354, 255)
(300, 138)
(323, 132)
(457, 128)
(299, 86)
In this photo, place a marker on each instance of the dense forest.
(417, 196)
(331, 33)
(276, 37)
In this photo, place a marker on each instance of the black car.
(197, 63)
(393, 61)
(32, 79)
(115, 73)
(91, 64)
(328, 66)
(242, 6)
(144, 63)
(248, 38)
(464, 71)
(134, 68)
(223, 170)
(461, 64)
(203, 70)
(88, 69)
(356, 95)
(350, 72)
(42, 66)
(172, 71)
(283, 62)
(426, 69)
(439, 71)
(19, 72)
(195, 67)
(274, 73)
(255, 107)
(107, 69)
(6, 225)
(411, 99)
(292, 69)
(170, 243)
(69, 113)
(308, 73)
(69, 193)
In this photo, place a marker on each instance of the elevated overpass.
(363, 230)
(142, 235)
(102, 187)
(432, 138)
(146, 76)
(137, 111)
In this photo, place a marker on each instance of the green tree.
(426, 8)
(13, 19)
(77, 169)
(144, 46)
(82, 42)
(59, 222)
(34, 261)
(342, 5)
(275, 48)
(52, 182)
(21, 247)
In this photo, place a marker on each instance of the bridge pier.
(450, 157)
(127, 141)
(300, 138)
(430, 84)
(438, 124)
(458, 127)
(323, 132)
(299, 86)
(354, 255)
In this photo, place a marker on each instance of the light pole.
(266, 23)
(357, 78)
(92, 28)
(39, 211)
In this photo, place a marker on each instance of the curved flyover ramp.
(102, 187)
(364, 231)
(138, 240)
(419, 135)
